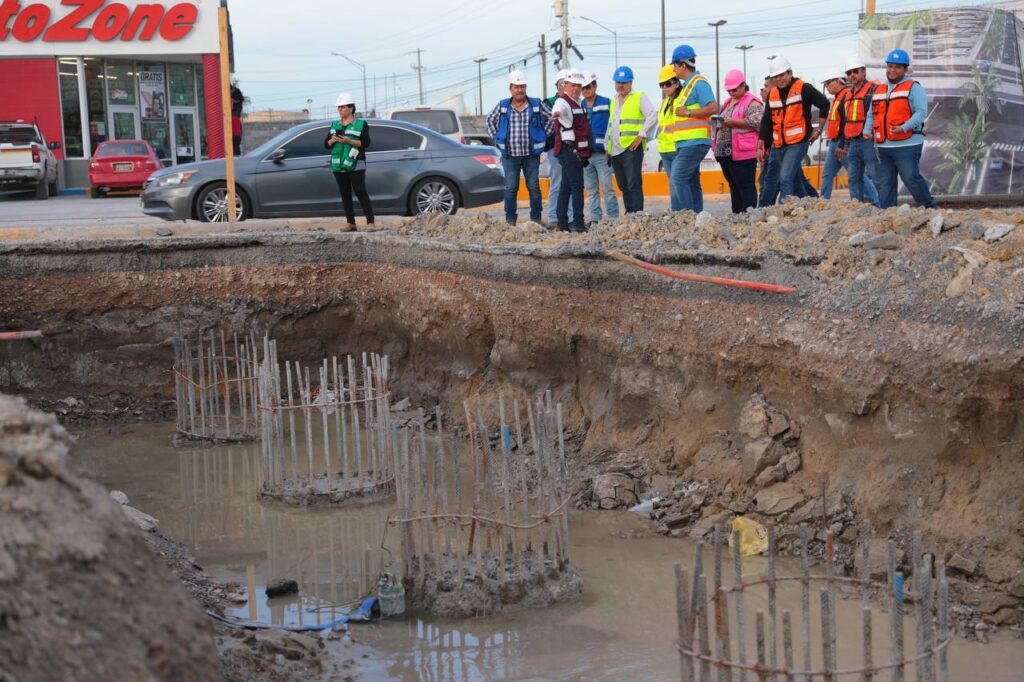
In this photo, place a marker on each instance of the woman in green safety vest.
(348, 139)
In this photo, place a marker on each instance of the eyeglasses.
(850, 72)
(668, 84)
(678, 63)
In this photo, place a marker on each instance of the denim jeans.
(598, 175)
(628, 167)
(769, 179)
(790, 171)
(906, 162)
(740, 176)
(666, 165)
(554, 186)
(803, 186)
(571, 188)
(685, 180)
(529, 166)
(831, 169)
(862, 167)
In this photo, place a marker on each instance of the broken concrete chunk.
(753, 420)
(119, 497)
(936, 224)
(887, 241)
(141, 519)
(860, 238)
(962, 564)
(996, 232)
(279, 587)
(616, 490)
(778, 499)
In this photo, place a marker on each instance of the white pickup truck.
(26, 161)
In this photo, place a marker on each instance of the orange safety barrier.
(711, 181)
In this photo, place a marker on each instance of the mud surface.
(324, 492)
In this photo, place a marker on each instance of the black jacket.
(810, 95)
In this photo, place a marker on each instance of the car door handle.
(409, 157)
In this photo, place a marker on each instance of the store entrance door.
(124, 123)
(186, 135)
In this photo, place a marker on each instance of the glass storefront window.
(182, 85)
(153, 99)
(96, 100)
(120, 77)
(71, 113)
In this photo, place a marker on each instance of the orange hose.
(16, 336)
(724, 281)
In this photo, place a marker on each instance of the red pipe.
(16, 336)
(743, 284)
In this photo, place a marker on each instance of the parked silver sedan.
(409, 170)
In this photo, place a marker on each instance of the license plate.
(124, 167)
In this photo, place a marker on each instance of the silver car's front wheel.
(435, 196)
(212, 205)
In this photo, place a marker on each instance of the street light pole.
(361, 67)
(480, 86)
(615, 36)
(744, 48)
(718, 80)
(664, 60)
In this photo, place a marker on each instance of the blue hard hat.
(623, 74)
(898, 57)
(682, 53)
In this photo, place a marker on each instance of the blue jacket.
(538, 136)
(598, 115)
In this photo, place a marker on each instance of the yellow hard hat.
(667, 73)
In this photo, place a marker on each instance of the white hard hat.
(854, 63)
(835, 74)
(344, 99)
(779, 66)
(561, 75)
(591, 78)
(517, 78)
(576, 77)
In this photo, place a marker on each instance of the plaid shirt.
(519, 126)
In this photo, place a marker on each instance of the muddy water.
(622, 629)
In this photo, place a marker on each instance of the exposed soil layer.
(899, 361)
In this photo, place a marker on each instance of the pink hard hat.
(734, 79)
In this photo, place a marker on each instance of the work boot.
(349, 227)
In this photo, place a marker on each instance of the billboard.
(969, 61)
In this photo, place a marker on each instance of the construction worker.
(348, 139)
(520, 126)
(856, 150)
(554, 169)
(696, 106)
(765, 178)
(899, 108)
(735, 145)
(597, 176)
(667, 119)
(572, 149)
(835, 85)
(632, 120)
(788, 128)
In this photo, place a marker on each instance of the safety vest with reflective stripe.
(685, 127)
(789, 126)
(576, 136)
(667, 132)
(891, 108)
(631, 119)
(834, 116)
(856, 112)
(598, 115)
(538, 137)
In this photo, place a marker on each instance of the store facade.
(94, 70)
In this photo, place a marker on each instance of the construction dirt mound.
(81, 596)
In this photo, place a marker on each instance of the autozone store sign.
(31, 28)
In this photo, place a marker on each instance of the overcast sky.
(283, 49)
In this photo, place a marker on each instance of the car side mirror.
(278, 155)
(54, 145)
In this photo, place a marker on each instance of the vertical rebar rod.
(545, 529)
(523, 472)
(429, 485)
(308, 418)
(702, 627)
(828, 642)
(896, 618)
(943, 615)
(458, 512)
(476, 482)
(805, 598)
(563, 475)
(683, 629)
(243, 401)
(291, 419)
(416, 491)
(925, 615)
(773, 645)
(227, 385)
(830, 569)
(442, 475)
(787, 644)
(201, 363)
(762, 663)
(865, 572)
(354, 405)
(737, 584)
(325, 407)
(723, 650)
(698, 571)
(189, 375)
(868, 674)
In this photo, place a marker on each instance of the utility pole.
(543, 53)
(744, 48)
(480, 86)
(718, 80)
(418, 66)
(375, 95)
(664, 58)
(562, 11)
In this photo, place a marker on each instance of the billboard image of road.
(969, 61)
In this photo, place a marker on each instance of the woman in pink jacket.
(735, 144)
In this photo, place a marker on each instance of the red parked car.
(121, 164)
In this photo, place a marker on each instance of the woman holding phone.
(735, 144)
(348, 139)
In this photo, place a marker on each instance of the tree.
(967, 148)
(982, 92)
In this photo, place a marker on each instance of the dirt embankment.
(899, 361)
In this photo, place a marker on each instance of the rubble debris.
(279, 587)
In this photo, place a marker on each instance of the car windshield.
(18, 135)
(444, 122)
(275, 142)
(122, 149)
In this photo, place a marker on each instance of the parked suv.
(442, 120)
(26, 161)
